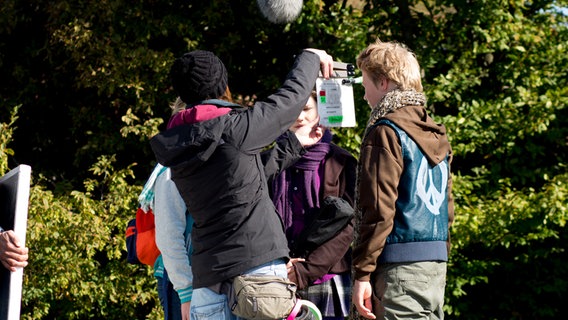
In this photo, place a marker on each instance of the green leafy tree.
(80, 270)
(6, 133)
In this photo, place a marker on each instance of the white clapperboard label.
(336, 105)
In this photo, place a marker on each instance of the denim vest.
(420, 228)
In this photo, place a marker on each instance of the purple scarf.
(310, 164)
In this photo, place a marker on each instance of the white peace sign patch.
(432, 196)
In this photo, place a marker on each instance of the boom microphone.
(280, 11)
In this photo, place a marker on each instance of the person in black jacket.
(217, 167)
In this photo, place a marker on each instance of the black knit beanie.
(199, 75)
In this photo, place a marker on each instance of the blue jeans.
(169, 298)
(206, 304)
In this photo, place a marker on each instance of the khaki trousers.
(409, 290)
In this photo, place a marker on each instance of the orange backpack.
(141, 239)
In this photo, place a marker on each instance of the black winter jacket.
(217, 167)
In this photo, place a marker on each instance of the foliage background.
(84, 86)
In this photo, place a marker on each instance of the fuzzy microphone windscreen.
(280, 11)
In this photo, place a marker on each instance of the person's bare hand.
(290, 267)
(185, 307)
(309, 134)
(362, 298)
(326, 62)
(12, 253)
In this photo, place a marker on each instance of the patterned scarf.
(392, 101)
(146, 197)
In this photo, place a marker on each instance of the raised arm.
(273, 116)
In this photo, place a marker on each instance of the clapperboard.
(336, 105)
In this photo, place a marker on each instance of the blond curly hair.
(392, 60)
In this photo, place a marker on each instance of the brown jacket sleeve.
(327, 258)
(381, 155)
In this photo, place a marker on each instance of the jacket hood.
(205, 110)
(431, 137)
(188, 145)
(193, 134)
